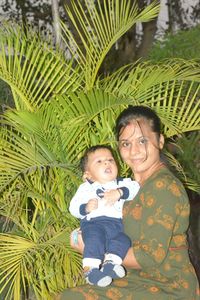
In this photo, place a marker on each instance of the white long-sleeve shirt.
(87, 191)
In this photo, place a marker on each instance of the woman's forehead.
(135, 129)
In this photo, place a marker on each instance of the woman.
(156, 221)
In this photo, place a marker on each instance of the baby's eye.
(99, 161)
(111, 160)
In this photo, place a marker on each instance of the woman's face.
(140, 148)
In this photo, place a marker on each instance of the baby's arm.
(83, 202)
(91, 205)
(112, 196)
(129, 188)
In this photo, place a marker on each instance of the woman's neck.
(143, 176)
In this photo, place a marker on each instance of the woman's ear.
(161, 141)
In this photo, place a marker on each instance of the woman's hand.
(76, 240)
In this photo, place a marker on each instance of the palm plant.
(62, 107)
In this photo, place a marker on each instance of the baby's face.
(101, 166)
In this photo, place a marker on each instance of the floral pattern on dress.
(156, 221)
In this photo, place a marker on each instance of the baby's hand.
(112, 196)
(91, 205)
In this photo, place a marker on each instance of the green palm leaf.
(34, 263)
(172, 89)
(33, 70)
(100, 29)
(62, 108)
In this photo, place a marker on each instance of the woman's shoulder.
(166, 175)
(164, 181)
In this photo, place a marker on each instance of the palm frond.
(182, 174)
(33, 70)
(33, 263)
(172, 89)
(100, 29)
(62, 108)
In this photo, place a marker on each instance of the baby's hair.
(92, 149)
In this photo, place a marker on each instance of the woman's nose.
(134, 148)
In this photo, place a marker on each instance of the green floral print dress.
(156, 221)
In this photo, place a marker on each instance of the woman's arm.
(159, 216)
(76, 240)
(130, 260)
(77, 244)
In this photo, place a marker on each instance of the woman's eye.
(125, 144)
(142, 141)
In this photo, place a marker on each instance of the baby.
(98, 202)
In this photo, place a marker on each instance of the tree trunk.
(176, 15)
(56, 21)
(148, 33)
(149, 30)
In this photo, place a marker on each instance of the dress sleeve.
(164, 218)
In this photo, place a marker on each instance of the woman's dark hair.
(92, 149)
(134, 113)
